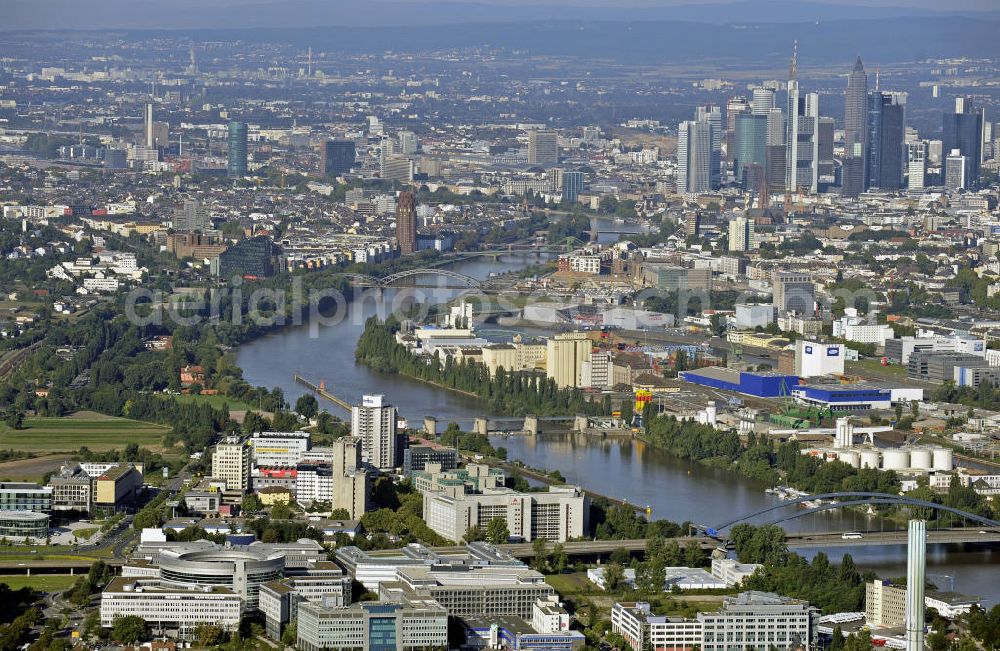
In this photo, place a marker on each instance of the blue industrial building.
(762, 385)
(847, 397)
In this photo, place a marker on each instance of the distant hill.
(213, 14)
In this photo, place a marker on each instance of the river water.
(627, 469)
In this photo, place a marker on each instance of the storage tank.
(895, 459)
(870, 459)
(850, 457)
(921, 458)
(943, 459)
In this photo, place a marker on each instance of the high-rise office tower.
(147, 124)
(713, 116)
(572, 185)
(963, 130)
(735, 107)
(916, 164)
(191, 216)
(776, 128)
(886, 129)
(801, 127)
(774, 170)
(741, 235)
(750, 144)
(231, 462)
(824, 146)
(956, 170)
(856, 111)
(406, 222)
(237, 164)
(337, 157)
(407, 142)
(763, 100)
(374, 422)
(853, 174)
(916, 569)
(694, 157)
(543, 147)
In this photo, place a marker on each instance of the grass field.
(40, 582)
(96, 431)
(874, 368)
(573, 584)
(215, 401)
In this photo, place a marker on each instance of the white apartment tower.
(374, 422)
(232, 462)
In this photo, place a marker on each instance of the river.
(675, 489)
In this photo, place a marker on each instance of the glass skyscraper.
(751, 143)
(237, 167)
(886, 130)
(963, 130)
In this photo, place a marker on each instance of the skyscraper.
(713, 116)
(337, 157)
(824, 146)
(916, 164)
(735, 107)
(856, 110)
(147, 124)
(750, 146)
(886, 129)
(191, 216)
(801, 150)
(406, 222)
(763, 100)
(543, 147)
(572, 185)
(374, 422)
(963, 130)
(956, 170)
(694, 157)
(237, 167)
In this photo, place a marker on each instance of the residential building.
(557, 515)
(232, 461)
(741, 235)
(374, 422)
(191, 216)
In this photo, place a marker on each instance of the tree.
(207, 635)
(497, 532)
(693, 556)
(559, 560)
(307, 406)
(130, 629)
(290, 634)
(474, 533)
(541, 559)
(251, 504)
(614, 577)
(14, 418)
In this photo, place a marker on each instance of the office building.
(886, 129)
(763, 100)
(408, 143)
(694, 157)
(280, 599)
(232, 460)
(406, 223)
(557, 515)
(856, 111)
(25, 496)
(473, 478)
(760, 620)
(397, 168)
(572, 185)
(941, 367)
(750, 145)
(543, 148)
(916, 165)
(813, 358)
(115, 159)
(276, 449)
(957, 170)
(565, 354)
(237, 158)
(713, 116)
(793, 292)
(741, 235)
(417, 457)
(824, 147)
(16, 526)
(374, 423)
(337, 157)
(191, 216)
(899, 349)
(166, 606)
(256, 257)
(885, 604)
(774, 171)
(853, 174)
(372, 626)
(117, 488)
(963, 131)
(492, 591)
(732, 572)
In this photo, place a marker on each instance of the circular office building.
(241, 570)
